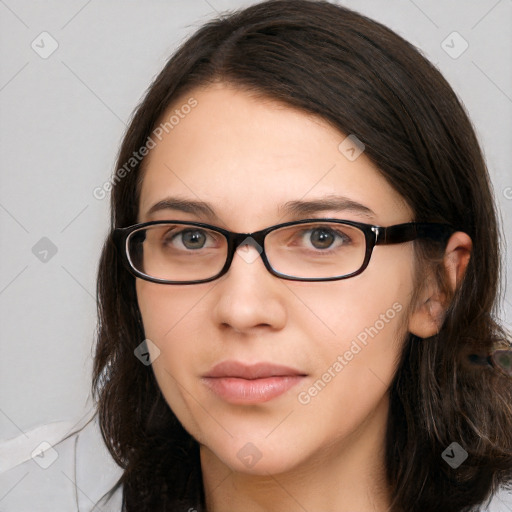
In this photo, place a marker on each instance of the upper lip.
(236, 369)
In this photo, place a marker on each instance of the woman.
(268, 393)
(296, 299)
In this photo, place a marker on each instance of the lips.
(239, 383)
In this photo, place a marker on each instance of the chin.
(258, 456)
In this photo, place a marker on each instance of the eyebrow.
(183, 205)
(331, 203)
(299, 208)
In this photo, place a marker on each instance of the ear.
(428, 315)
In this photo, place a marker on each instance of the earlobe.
(427, 318)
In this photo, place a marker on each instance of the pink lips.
(239, 383)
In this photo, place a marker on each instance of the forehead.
(247, 156)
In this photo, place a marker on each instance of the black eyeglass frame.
(374, 235)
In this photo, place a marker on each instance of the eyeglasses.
(176, 252)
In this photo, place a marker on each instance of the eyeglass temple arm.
(412, 230)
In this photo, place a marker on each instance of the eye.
(190, 239)
(193, 239)
(323, 237)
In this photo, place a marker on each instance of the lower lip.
(255, 391)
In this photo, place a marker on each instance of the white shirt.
(73, 474)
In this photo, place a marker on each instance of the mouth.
(239, 383)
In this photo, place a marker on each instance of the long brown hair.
(365, 80)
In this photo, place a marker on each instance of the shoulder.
(63, 465)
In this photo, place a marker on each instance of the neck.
(341, 477)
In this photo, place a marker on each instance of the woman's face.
(339, 341)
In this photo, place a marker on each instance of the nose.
(248, 297)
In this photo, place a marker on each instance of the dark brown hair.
(365, 80)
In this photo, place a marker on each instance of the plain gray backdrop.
(63, 115)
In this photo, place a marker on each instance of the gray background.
(62, 119)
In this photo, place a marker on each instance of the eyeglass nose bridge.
(256, 240)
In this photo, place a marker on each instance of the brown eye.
(322, 238)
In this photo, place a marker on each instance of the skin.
(246, 156)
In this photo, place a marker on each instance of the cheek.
(376, 300)
(164, 307)
(172, 319)
(355, 366)
(360, 325)
(380, 296)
